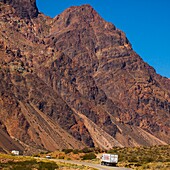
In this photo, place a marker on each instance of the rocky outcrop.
(23, 8)
(75, 81)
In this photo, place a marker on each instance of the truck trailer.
(109, 159)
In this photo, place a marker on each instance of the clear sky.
(145, 22)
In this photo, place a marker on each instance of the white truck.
(109, 159)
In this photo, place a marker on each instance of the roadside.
(96, 166)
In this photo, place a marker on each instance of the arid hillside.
(74, 81)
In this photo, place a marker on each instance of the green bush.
(66, 151)
(76, 151)
(44, 152)
(88, 156)
(61, 157)
(47, 166)
(133, 159)
(148, 159)
(36, 155)
(86, 150)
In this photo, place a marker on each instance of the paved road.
(97, 166)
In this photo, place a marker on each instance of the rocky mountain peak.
(82, 17)
(84, 12)
(78, 15)
(24, 8)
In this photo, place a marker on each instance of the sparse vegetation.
(139, 158)
(61, 157)
(66, 151)
(156, 157)
(76, 151)
(74, 166)
(87, 150)
(144, 157)
(28, 165)
(89, 156)
(10, 162)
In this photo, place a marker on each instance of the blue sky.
(145, 22)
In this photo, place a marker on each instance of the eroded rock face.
(75, 81)
(24, 8)
(102, 66)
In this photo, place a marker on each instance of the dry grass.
(8, 162)
(156, 157)
(67, 166)
(139, 158)
(155, 166)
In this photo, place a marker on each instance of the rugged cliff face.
(75, 81)
(23, 8)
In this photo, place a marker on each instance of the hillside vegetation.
(11, 162)
(156, 157)
(139, 158)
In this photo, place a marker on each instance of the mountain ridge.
(80, 73)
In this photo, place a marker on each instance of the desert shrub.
(36, 155)
(66, 151)
(88, 156)
(147, 159)
(114, 150)
(146, 166)
(133, 159)
(76, 151)
(86, 150)
(47, 166)
(160, 159)
(44, 152)
(167, 159)
(61, 157)
(122, 157)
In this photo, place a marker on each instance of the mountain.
(23, 8)
(75, 81)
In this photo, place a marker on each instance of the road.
(97, 166)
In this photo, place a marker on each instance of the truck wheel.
(114, 164)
